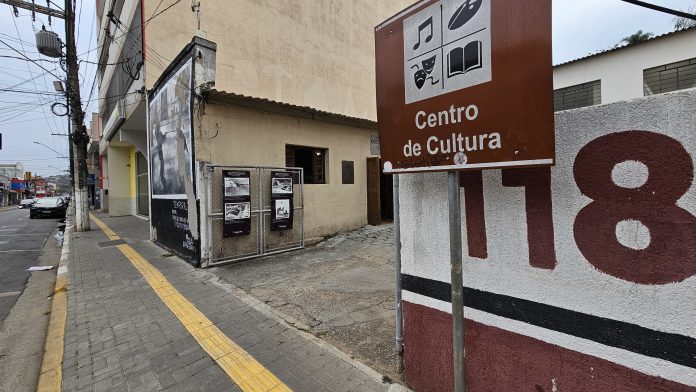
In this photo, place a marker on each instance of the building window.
(312, 160)
(348, 172)
(578, 96)
(670, 77)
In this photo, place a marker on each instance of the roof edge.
(287, 109)
(612, 50)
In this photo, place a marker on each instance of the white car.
(26, 203)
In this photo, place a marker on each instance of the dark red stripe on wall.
(502, 361)
(675, 348)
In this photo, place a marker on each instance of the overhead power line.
(10, 90)
(655, 7)
(28, 59)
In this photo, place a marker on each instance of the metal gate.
(215, 249)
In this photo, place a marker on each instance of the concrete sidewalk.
(341, 290)
(129, 327)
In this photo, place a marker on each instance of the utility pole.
(79, 137)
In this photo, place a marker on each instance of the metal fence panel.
(262, 241)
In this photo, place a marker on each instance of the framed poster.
(281, 200)
(237, 203)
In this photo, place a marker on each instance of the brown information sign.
(466, 84)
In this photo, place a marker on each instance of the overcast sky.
(579, 28)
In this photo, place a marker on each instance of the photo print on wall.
(281, 200)
(235, 211)
(237, 202)
(282, 186)
(236, 186)
(170, 136)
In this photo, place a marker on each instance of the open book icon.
(462, 60)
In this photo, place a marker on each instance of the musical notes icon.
(447, 47)
(427, 24)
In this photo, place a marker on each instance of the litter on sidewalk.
(41, 268)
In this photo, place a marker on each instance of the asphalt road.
(21, 242)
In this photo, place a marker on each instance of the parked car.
(48, 207)
(26, 203)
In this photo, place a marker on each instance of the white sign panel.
(447, 47)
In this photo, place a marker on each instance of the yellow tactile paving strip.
(242, 368)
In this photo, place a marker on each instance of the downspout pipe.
(397, 267)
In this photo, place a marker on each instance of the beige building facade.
(291, 83)
(314, 53)
(243, 134)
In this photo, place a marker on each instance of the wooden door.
(374, 213)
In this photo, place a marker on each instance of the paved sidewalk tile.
(121, 336)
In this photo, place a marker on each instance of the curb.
(51, 377)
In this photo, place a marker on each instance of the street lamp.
(58, 86)
(59, 154)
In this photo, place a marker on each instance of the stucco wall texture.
(316, 53)
(225, 138)
(581, 277)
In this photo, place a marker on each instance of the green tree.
(638, 36)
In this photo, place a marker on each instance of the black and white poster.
(282, 186)
(237, 202)
(281, 201)
(236, 186)
(170, 136)
(171, 160)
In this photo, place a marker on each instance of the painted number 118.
(671, 253)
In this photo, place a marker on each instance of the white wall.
(621, 71)
(576, 283)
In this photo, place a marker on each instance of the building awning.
(269, 106)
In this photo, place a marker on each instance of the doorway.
(380, 193)
(142, 184)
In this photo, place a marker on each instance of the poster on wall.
(281, 201)
(170, 136)
(237, 201)
(171, 157)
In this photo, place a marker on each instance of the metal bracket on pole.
(455, 230)
(35, 8)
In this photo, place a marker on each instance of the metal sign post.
(455, 234)
(465, 85)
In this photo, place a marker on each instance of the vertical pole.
(71, 153)
(455, 229)
(397, 267)
(79, 132)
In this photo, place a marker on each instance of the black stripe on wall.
(675, 348)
